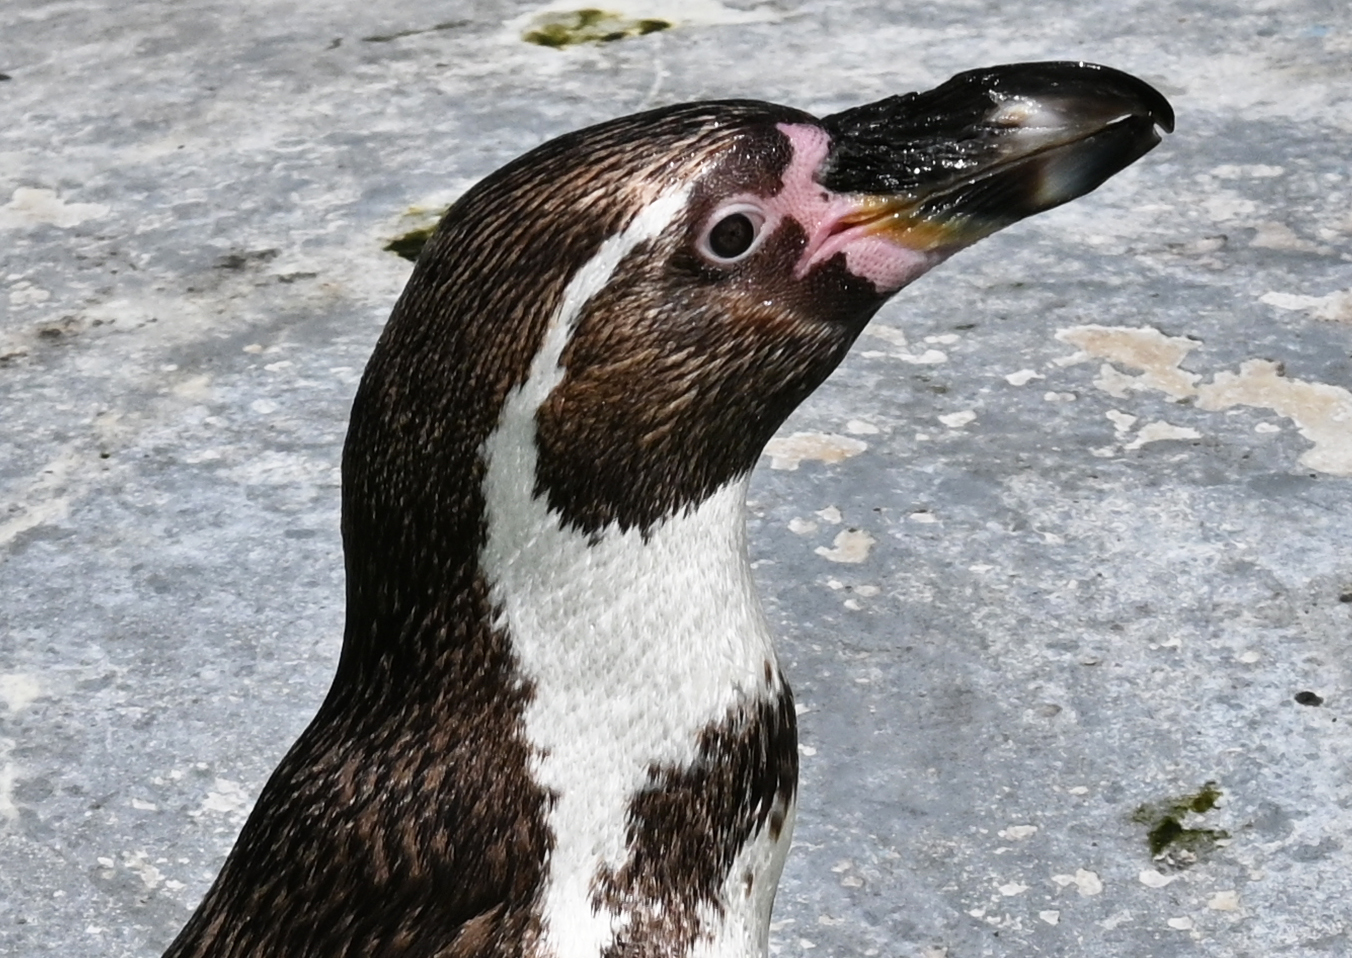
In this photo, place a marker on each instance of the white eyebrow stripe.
(545, 371)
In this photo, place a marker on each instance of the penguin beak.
(936, 171)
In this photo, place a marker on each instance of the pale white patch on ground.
(930, 357)
(194, 388)
(277, 469)
(900, 348)
(1267, 428)
(1059, 397)
(860, 428)
(1011, 889)
(1334, 307)
(19, 691)
(1115, 382)
(23, 294)
(787, 452)
(225, 798)
(1074, 359)
(802, 527)
(8, 773)
(923, 517)
(888, 334)
(139, 864)
(1321, 412)
(1183, 923)
(1122, 422)
(44, 499)
(1224, 901)
(1157, 356)
(1153, 879)
(1050, 916)
(956, 420)
(850, 545)
(1161, 432)
(1234, 171)
(1270, 234)
(1225, 206)
(830, 514)
(38, 207)
(1086, 882)
(1018, 833)
(1023, 377)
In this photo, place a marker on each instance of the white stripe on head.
(545, 371)
(633, 645)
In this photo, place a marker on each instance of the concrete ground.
(1061, 557)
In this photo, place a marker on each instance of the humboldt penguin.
(558, 728)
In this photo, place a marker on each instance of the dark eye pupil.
(732, 236)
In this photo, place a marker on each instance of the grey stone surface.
(1078, 594)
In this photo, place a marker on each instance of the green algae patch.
(409, 245)
(567, 29)
(1170, 833)
(414, 229)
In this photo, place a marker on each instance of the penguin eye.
(732, 234)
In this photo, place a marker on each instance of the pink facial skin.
(869, 254)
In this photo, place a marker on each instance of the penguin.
(558, 727)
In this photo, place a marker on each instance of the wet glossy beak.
(939, 170)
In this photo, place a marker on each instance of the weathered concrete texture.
(1031, 597)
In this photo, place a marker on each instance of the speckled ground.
(1039, 582)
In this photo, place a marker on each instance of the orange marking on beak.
(898, 219)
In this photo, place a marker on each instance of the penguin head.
(710, 264)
